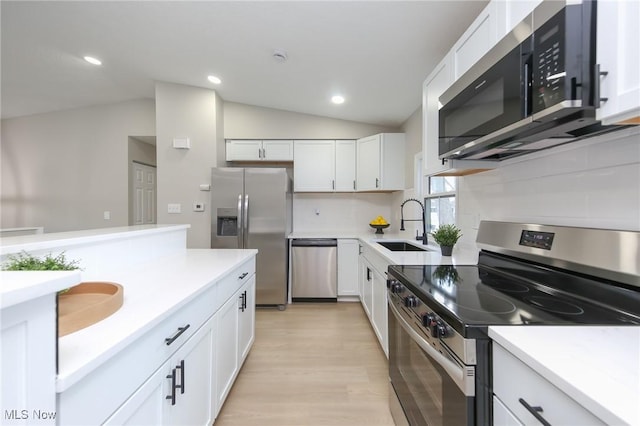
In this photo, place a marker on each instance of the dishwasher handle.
(314, 242)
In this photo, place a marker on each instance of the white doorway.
(143, 191)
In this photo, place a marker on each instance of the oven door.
(433, 389)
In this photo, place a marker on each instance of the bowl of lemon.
(379, 223)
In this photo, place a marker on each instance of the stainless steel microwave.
(537, 88)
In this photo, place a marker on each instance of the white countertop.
(55, 240)
(462, 254)
(599, 367)
(21, 286)
(152, 292)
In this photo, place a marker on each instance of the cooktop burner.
(470, 298)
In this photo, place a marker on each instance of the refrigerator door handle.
(239, 223)
(246, 222)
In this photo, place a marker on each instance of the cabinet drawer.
(235, 279)
(114, 381)
(514, 380)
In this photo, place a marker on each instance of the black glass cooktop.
(501, 292)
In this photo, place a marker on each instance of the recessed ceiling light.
(214, 79)
(337, 99)
(93, 60)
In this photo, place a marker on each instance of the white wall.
(63, 170)
(252, 122)
(591, 183)
(412, 129)
(186, 111)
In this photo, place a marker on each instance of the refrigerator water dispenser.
(227, 222)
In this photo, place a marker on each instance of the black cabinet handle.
(172, 397)
(243, 304)
(181, 368)
(368, 274)
(535, 412)
(244, 274)
(170, 340)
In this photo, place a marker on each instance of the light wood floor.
(312, 364)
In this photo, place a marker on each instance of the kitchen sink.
(400, 246)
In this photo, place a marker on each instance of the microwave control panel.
(549, 74)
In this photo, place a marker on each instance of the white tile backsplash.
(592, 183)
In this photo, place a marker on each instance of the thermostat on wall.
(181, 143)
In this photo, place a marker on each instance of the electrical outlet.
(106, 215)
(174, 208)
(198, 207)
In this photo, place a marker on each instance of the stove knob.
(411, 301)
(438, 329)
(396, 287)
(427, 319)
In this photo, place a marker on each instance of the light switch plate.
(174, 208)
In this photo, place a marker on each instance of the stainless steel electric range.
(439, 349)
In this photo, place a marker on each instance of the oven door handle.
(462, 376)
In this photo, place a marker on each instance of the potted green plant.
(27, 262)
(446, 236)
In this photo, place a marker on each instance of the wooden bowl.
(86, 304)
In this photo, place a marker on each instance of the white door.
(368, 163)
(314, 166)
(346, 165)
(144, 194)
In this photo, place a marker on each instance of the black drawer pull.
(535, 412)
(181, 385)
(244, 274)
(172, 397)
(243, 304)
(170, 340)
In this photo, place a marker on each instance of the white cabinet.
(348, 250)
(533, 390)
(236, 327)
(502, 416)
(345, 165)
(259, 150)
(27, 354)
(180, 392)
(246, 320)
(314, 166)
(373, 294)
(379, 162)
(618, 54)
(324, 165)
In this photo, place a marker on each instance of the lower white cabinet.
(180, 392)
(522, 391)
(502, 416)
(373, 294)
(179, 372)
(348, 250)
(27, 356)
(235, 337)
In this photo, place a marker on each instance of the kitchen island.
(193, 308)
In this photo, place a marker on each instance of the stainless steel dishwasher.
(314, 273)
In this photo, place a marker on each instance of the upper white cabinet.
(618, 54)
(380, 162)
(314, 166)
(259, 150)
(324, 165)
(345, 165)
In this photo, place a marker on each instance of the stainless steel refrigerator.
(252, 208)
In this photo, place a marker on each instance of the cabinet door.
(437, 82)
(246, 321)
(379, 303)
(27, 356)
(243, 150)
(148, 405)
(277, 150)
(481, 36)
(226, 348)
(367, 289)
(502, 416)
(348, 267)
(391, 155)
(368, 163)
(314, 166)
(193, 370)
(618, 33)
(345, 165)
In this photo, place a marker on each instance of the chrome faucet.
(424, 225)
